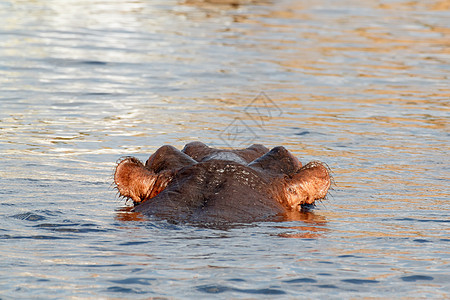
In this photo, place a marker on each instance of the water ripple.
(361, 85)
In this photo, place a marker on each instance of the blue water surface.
(362, 86)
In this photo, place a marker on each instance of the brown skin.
(203, 184)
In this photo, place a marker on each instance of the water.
(362, 86)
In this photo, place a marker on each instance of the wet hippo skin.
(204, 184)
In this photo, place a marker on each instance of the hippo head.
(204, 184)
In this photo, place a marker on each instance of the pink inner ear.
(311, 183)
(133, 180)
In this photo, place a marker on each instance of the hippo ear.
(309, 184)
(135, 181)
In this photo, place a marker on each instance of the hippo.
(201, 184)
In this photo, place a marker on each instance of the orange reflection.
(125, 214)
(305, 232)
(313, 228)
(313, 224)
(222, 3)
(443, 5)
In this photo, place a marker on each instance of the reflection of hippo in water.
(203, 184)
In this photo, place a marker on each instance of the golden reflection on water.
(317, 52)
(311, 230)
(125, 214)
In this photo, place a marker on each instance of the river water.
(361, 85)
